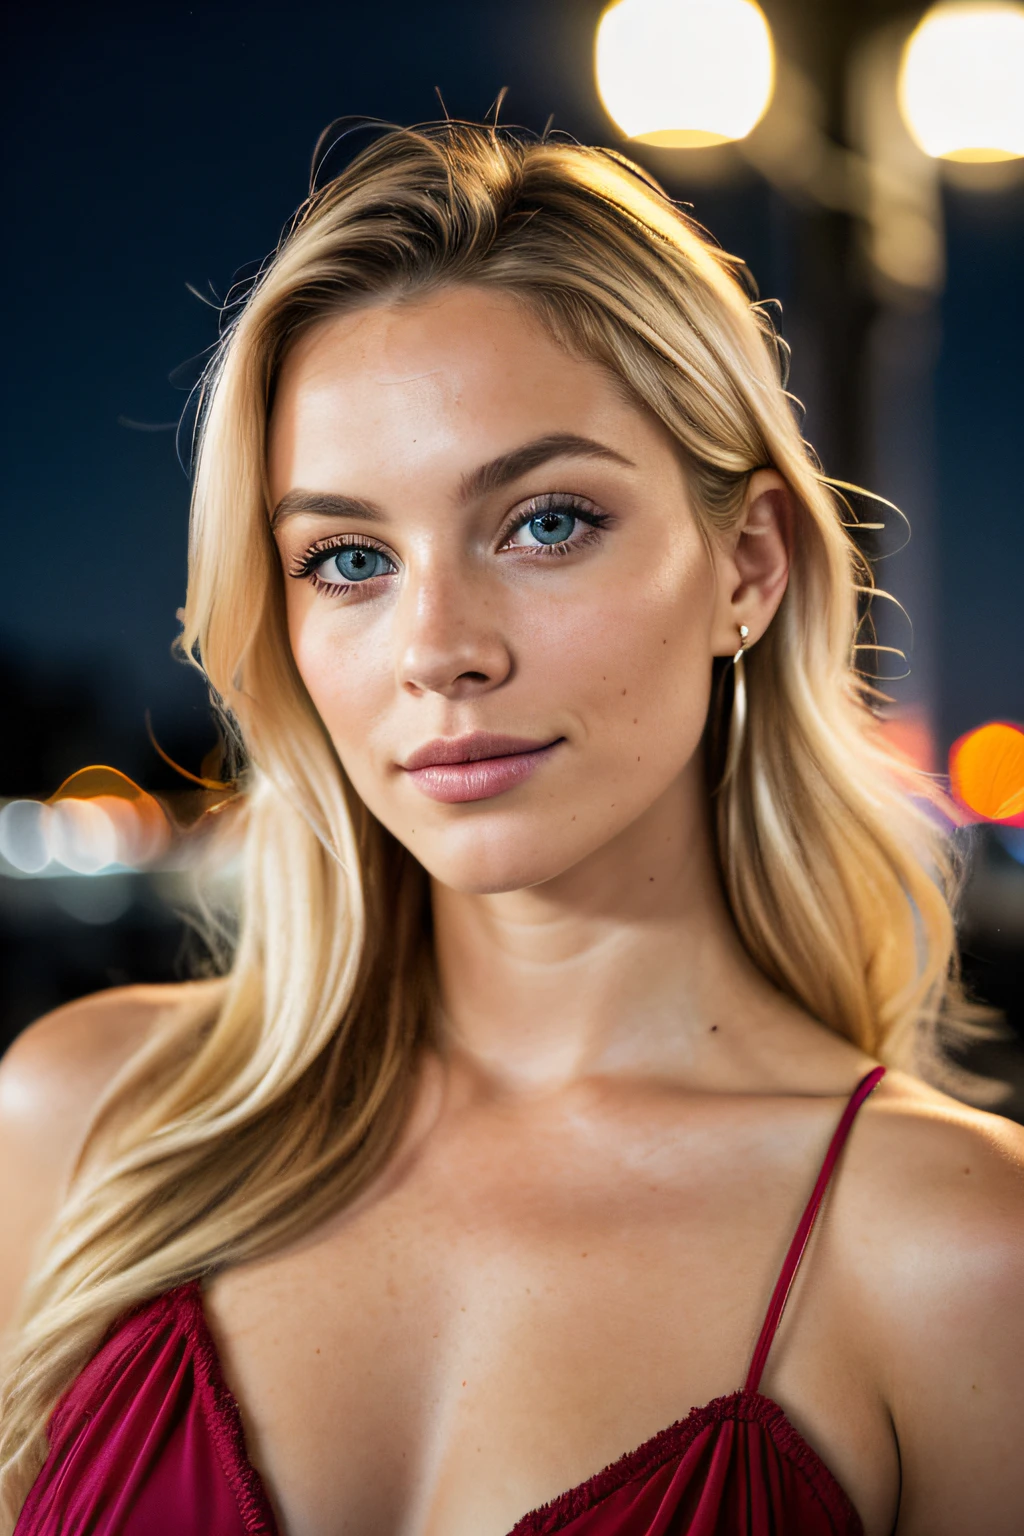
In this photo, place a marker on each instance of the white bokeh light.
(961, 86)
(684, 73)
(25, 835)
(82, 835)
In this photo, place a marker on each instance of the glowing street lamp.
(960, 88)
(684, 73)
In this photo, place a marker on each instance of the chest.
(497, 1323)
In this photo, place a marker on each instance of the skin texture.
(579, 1233)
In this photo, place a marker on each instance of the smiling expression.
(498, 596)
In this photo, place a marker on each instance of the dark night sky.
(158, 145)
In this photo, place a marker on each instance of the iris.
(552, 527)
(359, 563)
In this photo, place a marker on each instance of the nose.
(449, 640)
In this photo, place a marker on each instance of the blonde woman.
(580, 908)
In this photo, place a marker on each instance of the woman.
(580, 905)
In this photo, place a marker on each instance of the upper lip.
(470, 749)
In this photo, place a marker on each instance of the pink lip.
(474, 767)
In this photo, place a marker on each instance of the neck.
(626, 963)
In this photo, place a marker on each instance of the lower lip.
(455, 783)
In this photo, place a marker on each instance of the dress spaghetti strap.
(791, 1263)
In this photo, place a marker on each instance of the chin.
(488, 861)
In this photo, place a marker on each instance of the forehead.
(445, 380)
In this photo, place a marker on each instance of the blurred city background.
(154, 153)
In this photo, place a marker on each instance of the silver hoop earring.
(738, 722)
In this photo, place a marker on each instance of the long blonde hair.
(272, 1099)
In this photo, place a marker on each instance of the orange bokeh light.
(986, 772)
(133, 818)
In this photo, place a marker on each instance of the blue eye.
(354, 563)
(553, 527)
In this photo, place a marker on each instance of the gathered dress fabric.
(148, 1441)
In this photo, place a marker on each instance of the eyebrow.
(324, 504)
(499, 472)
(510, 466)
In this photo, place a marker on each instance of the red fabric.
(148, 1442)
(734, 1466)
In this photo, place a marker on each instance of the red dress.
(148, 1442)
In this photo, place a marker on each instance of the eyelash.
(584, 511)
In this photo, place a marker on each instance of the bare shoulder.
(935, 1190)
(53, 1074)
(935, 1266)
(51, 1080)
(921, 1146)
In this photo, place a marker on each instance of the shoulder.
(52, 1079)
(927, 1157)
(56, 1070)
(934, 1255)
(936, 1190)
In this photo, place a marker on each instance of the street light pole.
(868, 266)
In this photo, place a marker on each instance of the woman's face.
(497, 593)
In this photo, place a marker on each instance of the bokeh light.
(961, 87)
(986, 772)
(97, 820)
(684, 73)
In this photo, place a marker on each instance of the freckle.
(623, 693)
(582, 1255)
(636, 722)
(664, 642)
(651, 879)
(967, 1170)
(318, 1351)
(463, 1383)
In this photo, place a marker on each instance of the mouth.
(475, 767)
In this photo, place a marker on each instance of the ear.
(752, 562)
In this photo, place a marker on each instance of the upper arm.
(955, 1334)
(51, 1080)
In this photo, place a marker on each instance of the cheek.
(634, 664)
(345, 672)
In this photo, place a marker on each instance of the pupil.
(552, 527)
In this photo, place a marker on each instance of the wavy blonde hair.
(272, 1098)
